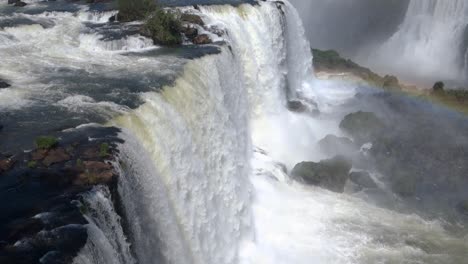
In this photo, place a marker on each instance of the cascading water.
(204, 166)
(430, 43)
(107, 243)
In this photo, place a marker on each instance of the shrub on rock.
(131, 10)
(163, 28)
(438, 87)
(46, 142)
(330, 174)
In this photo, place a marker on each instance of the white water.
(428, 42)
(107, 243)
(188, 192)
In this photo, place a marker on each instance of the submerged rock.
(332, 145)
(363, 179)
(363, 126)
(330, 174)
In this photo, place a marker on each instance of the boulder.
(10, 2)
(56, 155)
(202, 39)
(332, 145)
(4, 84)
(297, 106)
(330, 174)
(363, 179)
(20, 3)
(362, 126)
(192, 18)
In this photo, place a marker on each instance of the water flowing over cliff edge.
(210, 141)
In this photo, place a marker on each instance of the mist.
(348, 26)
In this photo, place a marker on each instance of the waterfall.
(185, 183)
(431, 41)
(107, 243)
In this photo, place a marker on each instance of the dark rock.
(39, 154)
(191, 18)
(202, 40)
(363, 179)
(4, 84)
(190, 32)
(24, 227)
(20, 4)
(330, 174)
(332, 145)
(297, 106)
(113, 18)
(6, 164)
(10, 2)
(363, 126)
(56, 155)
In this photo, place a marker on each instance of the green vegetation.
(331, 61)
(131, 10)
(46, 142)
(32, 164)
(438, 87)
(163, 27)
(104, 150)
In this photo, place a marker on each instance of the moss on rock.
(46, 142)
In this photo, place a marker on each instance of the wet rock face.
(362, 126)
(330, 174)
(46, 220)
(362, 179)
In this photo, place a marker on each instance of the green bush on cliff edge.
(161, 26)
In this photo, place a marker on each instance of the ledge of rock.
(46, 223)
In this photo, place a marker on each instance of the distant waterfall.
(431, 42)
